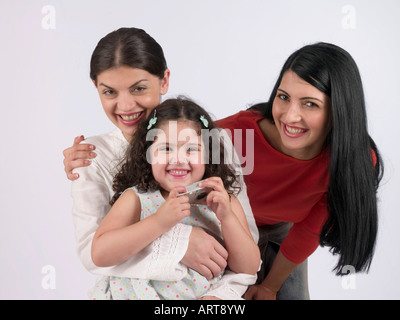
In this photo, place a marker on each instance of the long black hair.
(130, 47)
(355, 167)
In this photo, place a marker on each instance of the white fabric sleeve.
(232, 286)
(160, 260)
(233, 158)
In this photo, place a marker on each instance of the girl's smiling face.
(128, 95)
(177, 155)
(302, 117)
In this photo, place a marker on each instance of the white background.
(224, 54)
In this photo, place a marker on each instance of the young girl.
(147, 204)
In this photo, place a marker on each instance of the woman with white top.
(130, 73)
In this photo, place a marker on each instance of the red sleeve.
(303, 237)
(373, 155)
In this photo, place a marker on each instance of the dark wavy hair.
(354, 175)
(137, 171)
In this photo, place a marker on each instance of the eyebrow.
(304, 98)
(133, 85)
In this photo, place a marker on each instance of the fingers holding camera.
(218, 199)
(175, 192)
(214, 183)
(174, 209)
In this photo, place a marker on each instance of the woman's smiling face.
(128, 95)
(302, 117)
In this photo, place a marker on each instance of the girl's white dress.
(192, 286)
(160, 260)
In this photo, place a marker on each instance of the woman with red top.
(314, 180)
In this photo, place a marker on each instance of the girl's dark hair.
(136, 170)
(355, 167)
(130, 47)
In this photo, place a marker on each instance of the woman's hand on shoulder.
(77, 156)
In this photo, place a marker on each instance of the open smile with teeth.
(178, 172)
(131, 116)
(294, 130)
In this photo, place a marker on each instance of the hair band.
(204, 121)
(152, 121)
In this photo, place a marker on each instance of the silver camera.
(195, 193)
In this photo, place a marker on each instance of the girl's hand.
(77, 156)
(218, 199)
(174, 208)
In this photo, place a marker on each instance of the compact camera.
(195, 193)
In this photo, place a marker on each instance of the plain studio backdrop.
(225, 55)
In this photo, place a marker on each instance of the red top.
(282, 188)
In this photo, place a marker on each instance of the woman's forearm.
(280, 271)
